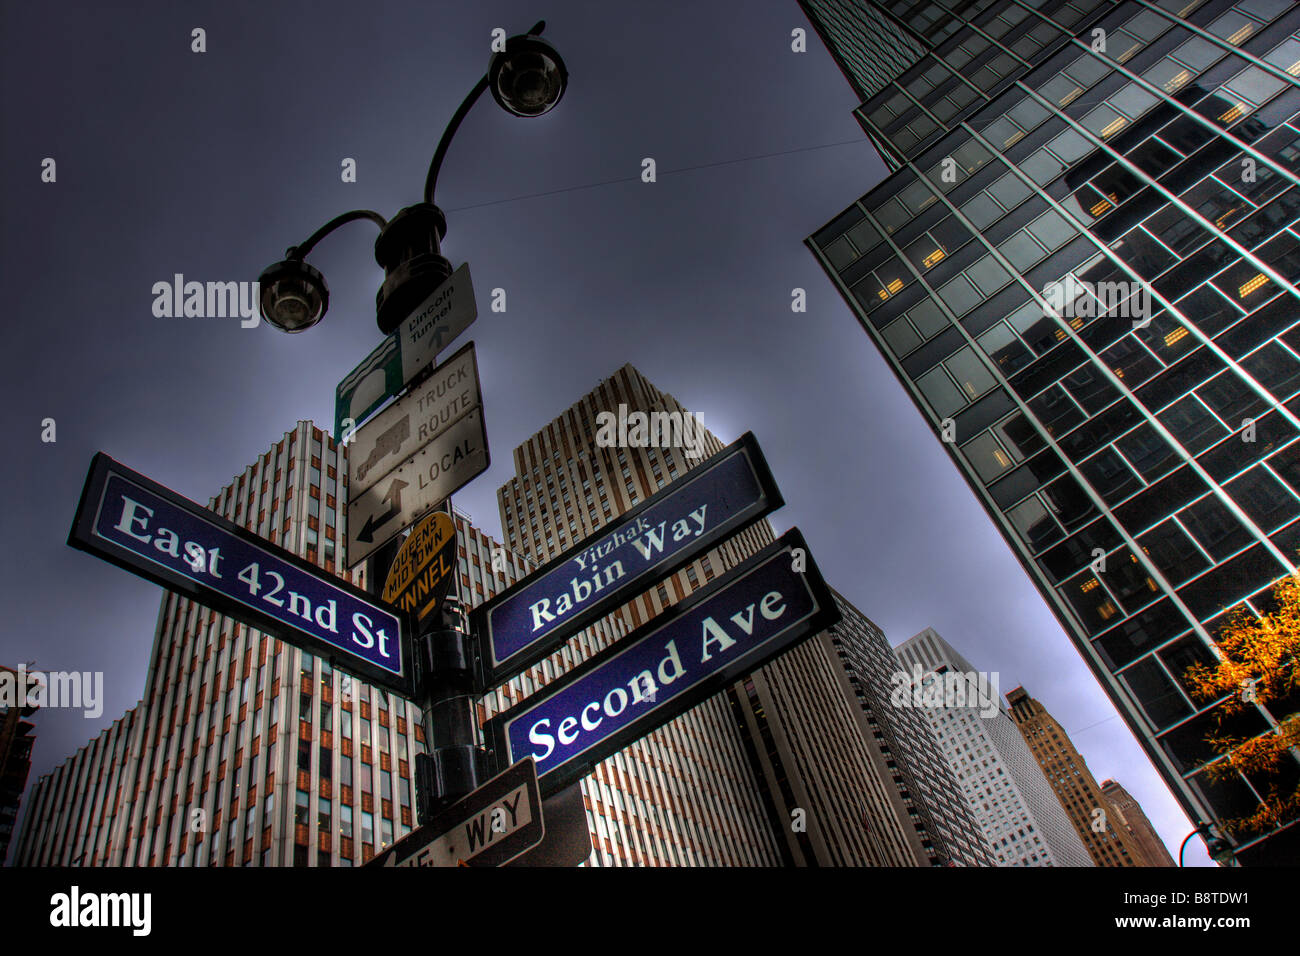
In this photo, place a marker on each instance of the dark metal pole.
(300, 250)
(431, 178)
(454, 762)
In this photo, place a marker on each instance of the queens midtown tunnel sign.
(727, 630)
(147, 529)
(693, 514)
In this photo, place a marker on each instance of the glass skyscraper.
(1083, 269)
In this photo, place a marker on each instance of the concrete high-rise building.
(1023, 822)
(684, 794)
(245, 750)
(1082, 268)
(71, 810)
(782, 766)
(17, 734)
(1096, 822)
(937, 822)
(1139, 828)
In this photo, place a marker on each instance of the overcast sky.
(211, 164)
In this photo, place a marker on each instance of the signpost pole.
(455, 760)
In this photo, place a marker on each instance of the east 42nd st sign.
(148, 529)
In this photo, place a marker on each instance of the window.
(1034, 524)
(943, 396)
(1001, 345)
(988, 275)
(959, 295)
(901, 337)
(1052, 230)
(970, 373)
(1009, 191)
(987, 457)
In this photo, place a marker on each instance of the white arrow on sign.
(448, 311)
(416, 486)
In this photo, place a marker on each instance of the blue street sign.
(665, 533)
(718, 634)
(147, 529)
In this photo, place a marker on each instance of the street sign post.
(496, 823)
(726, 630)
(137, 524)
(666, 532)
(422, 571)
(414, 420)
(448, 311)
(413, 488)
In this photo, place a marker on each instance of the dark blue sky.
(212, 164)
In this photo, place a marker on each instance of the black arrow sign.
(394, 498)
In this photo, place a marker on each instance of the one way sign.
(498, 822)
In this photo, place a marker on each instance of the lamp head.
(293, 295)
(528, 77)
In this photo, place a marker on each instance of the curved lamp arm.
(431, 179)
(301, 250)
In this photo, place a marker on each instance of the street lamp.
(1220, 850)
(527, 78)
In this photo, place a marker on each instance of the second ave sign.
(665, 667)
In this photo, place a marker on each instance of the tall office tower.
(17, 734)
(685, 794)
(867, 789)
(904, 753)
(1094, 819)
(779, 768)
(245, 750)
(1083, 271)
(1023, 822)
(1143, 835)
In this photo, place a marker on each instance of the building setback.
(1082, 269)
(1023, 822)
(1096, 822)
(1143, 835)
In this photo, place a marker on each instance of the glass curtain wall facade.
(1083, 271)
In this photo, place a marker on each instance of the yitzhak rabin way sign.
(137, 524)
(709, 504)
(665, 667)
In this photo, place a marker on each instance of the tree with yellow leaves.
(1259, 665)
